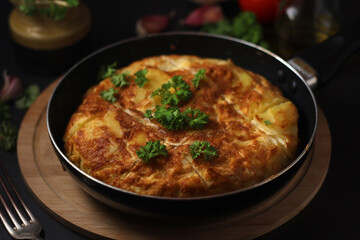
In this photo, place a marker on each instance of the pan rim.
(193, 34)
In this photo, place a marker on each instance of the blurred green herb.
(140, 79)
(30, 94)
(198, 76)
(55, 9)
(4, 111)
(195, 118)
(8, 132)
(109, 95)
(119, 80)
(107, 71)
(243, 26)
(267, 122)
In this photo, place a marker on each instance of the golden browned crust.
(102, 138)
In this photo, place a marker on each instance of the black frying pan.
(68, 94)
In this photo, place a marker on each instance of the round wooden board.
(67, 202)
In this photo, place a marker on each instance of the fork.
(28, 229)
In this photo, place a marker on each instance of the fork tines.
(24, 224)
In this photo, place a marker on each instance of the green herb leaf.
(141, 79)
(8, 135)
(72, 3)
(51, 8)
(268, 122)
(8, 132)
(29, 96)
(196, 118)
(202, 147)
(4, 111)
(109, 95)
(243, 23)
(198, 76)
(108, 71)
(222, 27)
(54, 11)
(171, 118)
(243, 26)
(181, 91)
(119, 80)
(151, 150)
(27, 7)
(148, 114)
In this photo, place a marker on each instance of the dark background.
(332, 214)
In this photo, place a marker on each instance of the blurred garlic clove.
(12, 87)
(153, 23)
(204, 14)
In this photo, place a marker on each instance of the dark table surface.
(332, 214)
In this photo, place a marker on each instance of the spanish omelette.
(251, 124)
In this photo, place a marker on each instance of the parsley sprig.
(141, 79)
(119, 80)
(178, 91)
(109, 70)
(55, 9)
(174, 91)
(109, 95)
(203, 147)
(151, 150)
(4, 111)
(8, 132)
(267, 122)
(173, 119)
(243, 26)
(198, 77)
(195, 118)
(29, 96)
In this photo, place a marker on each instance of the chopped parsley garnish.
(196, 118)
(4, 111)
(173, 119)
(174, 91)
(119, 80)
(198, 76)
(243, 26)
(203, 147)
(151, 150)
(53, 9)
(110, 70)
(29, 96)
(148, 114)
(8, 132)
(267, 122)
(140, 79)
(109, 95)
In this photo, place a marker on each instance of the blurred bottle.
(302, 23)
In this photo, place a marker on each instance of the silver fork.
(30, 228)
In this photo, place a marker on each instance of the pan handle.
(319, 63)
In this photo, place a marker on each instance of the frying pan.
(68, 94)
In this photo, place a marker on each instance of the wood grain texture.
(67, 202)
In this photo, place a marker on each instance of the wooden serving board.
(61, 196)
